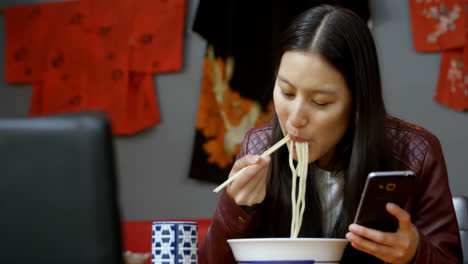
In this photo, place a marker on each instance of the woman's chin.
(311, 159)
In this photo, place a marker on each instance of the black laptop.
(58, 201)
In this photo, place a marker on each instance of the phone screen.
(380, 188)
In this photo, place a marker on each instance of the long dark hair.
(345, 41)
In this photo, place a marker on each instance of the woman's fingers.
(255, 190)
(247, 189)
(248, 164)
(404, 219)
(386, 238)
(244, 162)
(253, 163)
(407, 235)
(371, 234)
(393, 247)
(370, 247)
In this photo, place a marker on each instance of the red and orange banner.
(95, 55)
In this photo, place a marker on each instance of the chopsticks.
(264, 154)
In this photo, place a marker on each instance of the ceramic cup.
(174, 242)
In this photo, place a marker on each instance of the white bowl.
(287, 250)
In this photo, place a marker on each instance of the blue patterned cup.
(174, 243)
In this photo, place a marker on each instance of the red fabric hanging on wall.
(437, 25)
(443, 26)
(158, 36)
(25, 37)
(87, 57)
(65, 85)
(142, 104)
(452, 88)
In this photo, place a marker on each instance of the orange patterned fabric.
(224, 116)
(95, 55)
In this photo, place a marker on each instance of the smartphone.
(380, 188)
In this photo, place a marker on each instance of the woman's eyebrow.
(281, 78)
(321, 91)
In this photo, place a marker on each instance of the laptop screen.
(58, 198)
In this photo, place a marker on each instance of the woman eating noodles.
(328, 95)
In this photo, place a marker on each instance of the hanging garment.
(46, 53)
(437, 24)
(142, 103)
(25, 37)
(238, 75)
(452, 87)
(158, 33)
(88, 58)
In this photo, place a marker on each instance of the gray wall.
(153, 165)
(410, 81)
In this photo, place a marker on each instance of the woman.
(328, 93)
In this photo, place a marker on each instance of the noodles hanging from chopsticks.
(298, 200)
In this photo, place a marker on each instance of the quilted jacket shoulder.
(256, 140)
(410, 143)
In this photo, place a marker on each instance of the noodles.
(298, 203)
(299, 179)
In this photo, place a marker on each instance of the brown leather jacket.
(431, 208)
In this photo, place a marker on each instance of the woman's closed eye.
(291, 95)
(287, 94)
(321, 104)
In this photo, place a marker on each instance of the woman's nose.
(298, 116)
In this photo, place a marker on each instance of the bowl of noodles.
(288, 250)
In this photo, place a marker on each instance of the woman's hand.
(250, 187)
(398, 247)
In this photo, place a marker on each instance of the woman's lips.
(298, 139)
